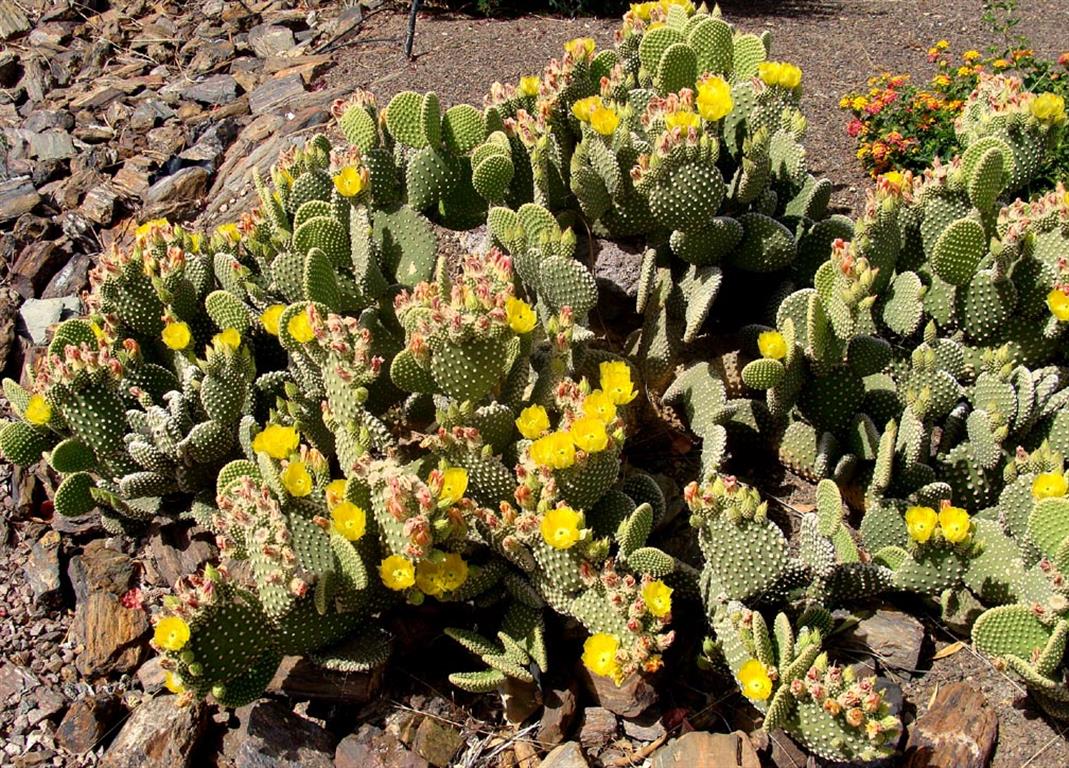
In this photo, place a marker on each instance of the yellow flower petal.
(176, 335)
(38, 411)
(532, 422)
(276, 441)
(920, 523)
(771, 344)
(270, 317)
(561, 527)
(658, 598)
(397, 572)
(348, 520)
(1046, 485)
(754, 681)
(300, 328)
(296, 479)
(599, 654)
(171, 633)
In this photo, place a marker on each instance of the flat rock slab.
(567, 755)
(37, 316)
(959, 730)
(698, 749)
(270, 735)
(158, 734)
(893, 637)
(372, 747)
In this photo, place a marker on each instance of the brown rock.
(436, 741)
(42, 568)
(14, 680)
(110, 635)
(301, 679)
(17, 196)
(158, 734)
(372, 747)
(557, 716)
(270, 735)
(270, 39)
(176, 550)
(699, 749)
(629, 699)
(275, 93)
(958, 731)
(35, 266)
(521, 700)
(100, 568)
(218, 89)
(597, 729)
(12, 19)
(96, 98)
(99, 205)
(567, 755)
(86, 723)
(69, 281)
(893, 637)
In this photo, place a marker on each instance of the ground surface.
(838, 44)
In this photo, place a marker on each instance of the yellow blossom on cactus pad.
(229, 338)
(643, 10)
(348, 520)
(397, 572)
(954, 522)
(173, 682)
(454, 571)
(604, 120)
(171, 633)
(588, 434)
(519, 315)
(348, 182)
(561, 527)
(38, 411)
(1048, 108)
(1047, 485)
(658, 598)
(276, 441)
(532, 422)
(783, 74)
(771, 344)
(894, 179)
(454, 483)
(1058, 304)
(335, 492)
(754, 680)
(616, 382)
(429, 579)
(529, 85)
(920, 522)
(681, 119)
(686, 5)
(584, 107)
(176, 335)
(580, 47)
(714, 99)
(300, 328)
(599, 654)
(555, 450)
(599, 405)
(296, 479)
(229, 231)
(270, 317)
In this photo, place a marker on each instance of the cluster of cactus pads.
(366, 424)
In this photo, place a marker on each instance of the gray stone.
(597, 729)
(158, 734)
(300, 678)
(36, 316)
(436, 741)
(372, 747)
(17, 196)
(270, 40)
(51, 145)
(214, 90)
(567, 755)
(616, 267)
(270, 735)
(646, 727)
(893, 637)
(42, 568)
(276, 93)
(70, 279)
(185, 185)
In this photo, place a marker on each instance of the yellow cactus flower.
(270, 317)
(599, 405)
(454, 571)
(643, 10)
(397, 572)
(783, 74)
(1047, 485)
(658, 598)
(300, 328)
(772, 345)
(681, 119)
(580, 47)
(1048, 108)
(529, 85)
(519, 315)
(229, 338)
(335, 493)
(604, 120)
(588, 433)
(714, 98)
(599, 655)
(454, 483)
(348, 520)
(276, 441)
(616, 382)
(229, 232)
(686, 5)
(555, 450)
(296, 479)
(171, 633)
(954, 523)
(561, 527)
(173, 682)
(349, 182)
(176, 335)
(147, 228)
(1058, 304)
(38, 411)
(894, 179)
(429, 579)
(532, 422)
(583, 108)
(754, 680)
(920, 522)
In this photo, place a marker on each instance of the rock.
(275, 93)
(158, 734)
(14, 680)
(617, 268)
(51, 145)
(100, 568)
(17, 196)
(96, 98)
(34, 267)
(521, 700)
(86, 722)
(646, 727)
(270, 735)
(37, 316)
(110, 635)
(597, 729)
(301, 679)
(784, 752)
(42, 569)
(151, 674)
(99, 204)
(215, 90)
(699, 749)
(182, 190)
(557, 715)
(629, 699)
(372, 747)
(959, 730)
(893, 637)
(270, 40)
(71, 278)
(567, 755)
(436, 741)
(46, 702)
(175, 550)
(12, 19)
